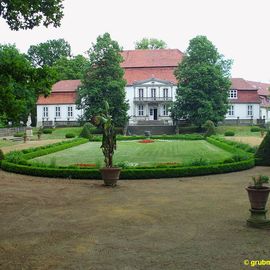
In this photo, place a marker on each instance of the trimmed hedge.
(229, 133)
(18, 134)
(47, 131)
(70, 135)
(130, 173)
(255, 129)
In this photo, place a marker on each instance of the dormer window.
(233, 94)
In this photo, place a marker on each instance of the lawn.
(144, 154)
(241, 131)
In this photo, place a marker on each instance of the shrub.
(85, 133)
(255, 129)
(229, 133)
(19, 134)
(263, 153)
(70, 135)
(210, 128)
(47, 131)
(199, 162)
(190, 129)
(2, 156)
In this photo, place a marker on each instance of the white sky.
(238, 28)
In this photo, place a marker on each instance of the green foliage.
(203, 84)
(210, 128)
(263, 153)
(255, 129)
(70, 135)
(18, 134)
(199, 162)
(47, 53)
(47, 131)
(20, 84)
(229, 133)
(150, 44)
(104, 81)
(86, 131)
(2, 156)
(25, 14)
(259, 181)
(71, 68)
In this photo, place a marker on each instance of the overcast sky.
(238, 28)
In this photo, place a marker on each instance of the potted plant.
(258, 193)
(258, 196)
(104, 121)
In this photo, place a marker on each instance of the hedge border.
(136, 173)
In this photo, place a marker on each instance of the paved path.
(169, 224)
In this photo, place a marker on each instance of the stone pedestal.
(29, 132)
(258, 219)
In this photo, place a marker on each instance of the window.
(233, 94)
(140, 93)
(57, 111)
(231, 110)
(165, 93)
(140, 110)
(165, 110)
(70, 111)
(250, 110)
(45, 112)
(153, 93)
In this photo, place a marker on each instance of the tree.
(20, 84)
(262, 155)
(104, 81)
(49, 52)
(71, 69)
(25, 14)
(203, 84)
(150, 44)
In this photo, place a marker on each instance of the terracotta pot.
(258, 197)
(110, 175)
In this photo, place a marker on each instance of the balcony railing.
(153, 99)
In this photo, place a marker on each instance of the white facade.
(57, 113)
(243, 111)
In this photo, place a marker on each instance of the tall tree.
(150, 44)
(71, 69)
(203, 83)
(25, 14)
(49, 52)
(20, 84)
(104, 81)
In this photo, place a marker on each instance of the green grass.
(59, 133)
(144, 154)
(4, 143)
(241, 131)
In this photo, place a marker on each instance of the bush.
(262, 155)
(255, 129)
(190, 129)
(86, 133)
(70, 135)
(47, 131)
(19, 134)
(229, 133)
(210, 128)
(2, 156)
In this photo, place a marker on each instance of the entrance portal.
(153, 113)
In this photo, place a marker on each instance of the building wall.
(265, 114)
(52, 114)
(241, 111)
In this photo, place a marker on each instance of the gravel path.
(188, 223)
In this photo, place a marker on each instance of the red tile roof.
(246, 96)
(58, 98)
(151, 58)
(139, 74)
(263, 87)
(66, 86)
(241, 84)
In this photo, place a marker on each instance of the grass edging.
(131, 173)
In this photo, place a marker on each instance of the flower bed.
(146, 141)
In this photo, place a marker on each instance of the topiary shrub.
(18, 134)
(210, 128)
(255, 129)
(86, 131)
(2, 156)
(262, 155)
(229, 133)
(47, 131)
(70, 135)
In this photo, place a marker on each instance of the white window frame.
(140, 110)
(70, 111)
(250, 110)
(233, 94)
(231, 110)
(153, 93)
(165, 110)
(141, 93)
(45, 112)
(57, 111)
(165, 93)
